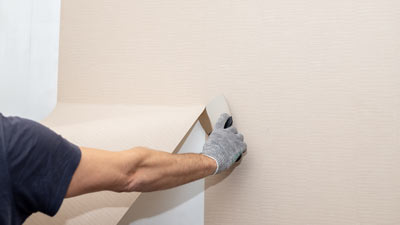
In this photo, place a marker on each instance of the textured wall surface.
(313, 85)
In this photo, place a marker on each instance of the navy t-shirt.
(36, 167)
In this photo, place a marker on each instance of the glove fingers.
(232, 129)
(221, 121)
(244, 147)
(241, 137)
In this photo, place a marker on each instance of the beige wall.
(313, 85)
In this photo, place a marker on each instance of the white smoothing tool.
(213, 110)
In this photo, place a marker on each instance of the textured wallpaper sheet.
(115, 128)
(314, 86)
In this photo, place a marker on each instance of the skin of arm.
(138, 169)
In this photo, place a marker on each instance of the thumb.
(221, 121)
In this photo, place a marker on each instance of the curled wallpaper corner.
(114, 127)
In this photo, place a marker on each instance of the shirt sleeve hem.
(73, 154)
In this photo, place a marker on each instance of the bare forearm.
(138, 169)
(142, 169)
(158, 170)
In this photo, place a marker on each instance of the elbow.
(134, 179)
(142, 183)
(135, 184)
(142, 177)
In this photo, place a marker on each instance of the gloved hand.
(224, 145)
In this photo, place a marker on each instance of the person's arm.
(139, 169)
(160, 170)
(142, 169)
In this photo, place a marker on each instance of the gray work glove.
(224, 145)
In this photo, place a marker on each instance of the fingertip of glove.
(222, 120)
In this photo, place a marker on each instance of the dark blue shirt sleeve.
(41, 164)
